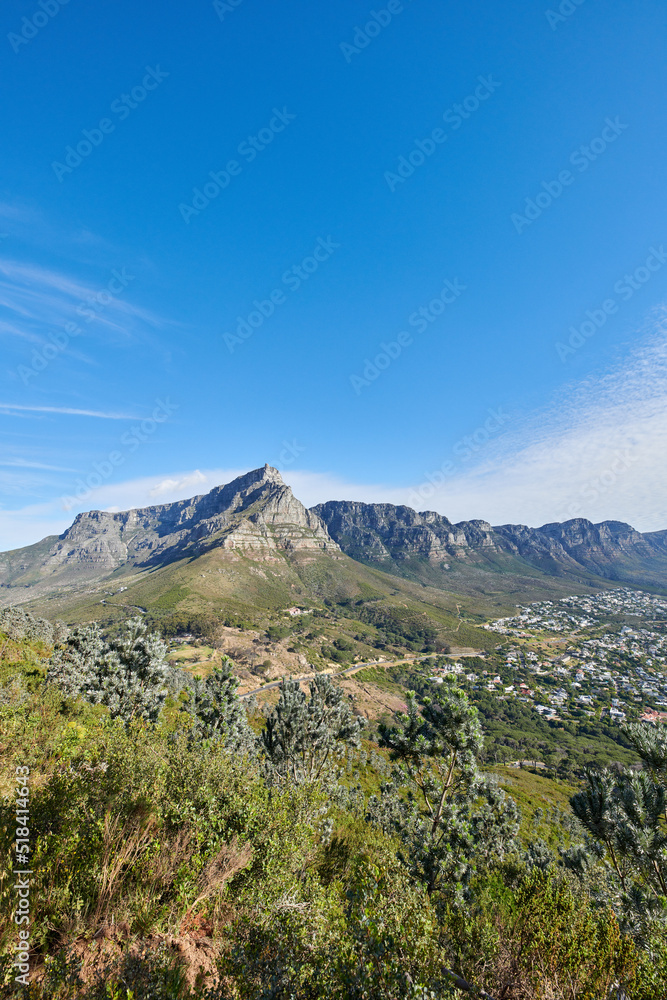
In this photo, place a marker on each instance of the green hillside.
(232, 585)
(174, 860)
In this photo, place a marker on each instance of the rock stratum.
(392, 536)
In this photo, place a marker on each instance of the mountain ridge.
(611, 550)
(258, 516)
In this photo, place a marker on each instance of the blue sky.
(448, 190)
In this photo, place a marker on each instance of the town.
(603, 656)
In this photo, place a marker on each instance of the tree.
(128, 674)
(447, 813)
(305, 735)
(215, 709)
(625, 813)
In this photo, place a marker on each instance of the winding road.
(355, 668)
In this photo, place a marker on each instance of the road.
(518, 763)
(342, 673)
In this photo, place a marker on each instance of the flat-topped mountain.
(252, 541)
(256, 512)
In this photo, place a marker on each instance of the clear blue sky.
(203, 78)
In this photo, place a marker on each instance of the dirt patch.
(371, 700)
(111, 947)
(249, 650)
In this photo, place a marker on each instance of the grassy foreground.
(167, 867)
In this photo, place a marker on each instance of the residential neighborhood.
(603, 655)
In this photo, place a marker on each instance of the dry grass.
(230, 860)
(123, 846)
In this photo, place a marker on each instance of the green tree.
(625, 813)
(305, 735)
(448, 814)
(214, 707)
(128, 674)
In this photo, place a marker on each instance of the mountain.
(251, 545)
(256, 512)
(612, 549)
(428, 545)
(375, 532)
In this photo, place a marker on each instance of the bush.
(129, 675)
(277, 632)
(18, 624)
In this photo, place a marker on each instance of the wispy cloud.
(36, 298)
(12, 330)
(22, 463)
(10, 408)
(18, 212)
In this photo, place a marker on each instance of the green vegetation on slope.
(174, 860)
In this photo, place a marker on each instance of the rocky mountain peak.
(256, 512)
(265, 474)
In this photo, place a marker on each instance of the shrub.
(129, 674)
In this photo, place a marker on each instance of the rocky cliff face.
(384, 533)
(612, 549)
(379, 532)
(256, 512)
(658, 540)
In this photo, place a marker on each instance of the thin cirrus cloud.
(12, 330)
(597, 451)
(34, 297)
(23, 463)
(12, 409)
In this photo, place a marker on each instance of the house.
(650, 715)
